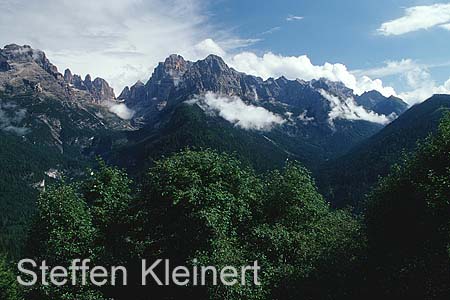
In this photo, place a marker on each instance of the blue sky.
(337, 31)
(398, 47)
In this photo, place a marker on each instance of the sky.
(397, 47)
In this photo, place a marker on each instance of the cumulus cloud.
(390, 68)
(422, 86)
(294, 18)
(293, 67)
(419, 84)
(121, 110)
(348, 109)
(417, 18)
(445, 26)
(207, 47)
(11, 117)
(237, 112)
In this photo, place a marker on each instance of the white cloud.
(294, 18)
(423, 87)
(390, 68)
(271, 30)
(417, 77)
(121, 110)
(10, 118)
(304, 117)
(272, 65)
(445, 26)
(237, 112)
(348, 109)
(206, 47)
(417, 18)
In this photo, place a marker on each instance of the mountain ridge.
(346, 179)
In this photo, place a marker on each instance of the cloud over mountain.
(293, 67)
(348, 109)
(237, 112)
(10, 118)
(123, 39)
(121, 110)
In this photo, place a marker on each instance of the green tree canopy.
(408, 222)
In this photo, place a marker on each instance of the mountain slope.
(48, 129)
(376, 102)
(59, 123)
(189, 126)
(320, 118)
(346, 179)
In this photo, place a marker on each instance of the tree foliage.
(9, 288)
(200, 208)
(408, 222)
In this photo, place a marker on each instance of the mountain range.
(310, 121)
(53, 125)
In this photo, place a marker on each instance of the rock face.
(176, 80)
(25, 54)
(4, 66)
(159, 88)
(23, 65)
(376, 102)
(68, 77)
(99, 88)
(321, 119)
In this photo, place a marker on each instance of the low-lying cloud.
(121, 110)
(348, 109)
(11, 117)
(237, 112)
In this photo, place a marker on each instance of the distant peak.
(16, 47)
(395, 98)
(68, 76)
(214, 62)
(174, 62)
(174, 57)
(213, 57)
(373, 93)
(25, 54)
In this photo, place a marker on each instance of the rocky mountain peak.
(24, 66)
(175, 63)
(99, 88)
(25, 54)
(68, 77)
(375, 101)
(174, 66)
(214, 64)
(4, 66)
(176, 80)
(371, 98)
(124, 94)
